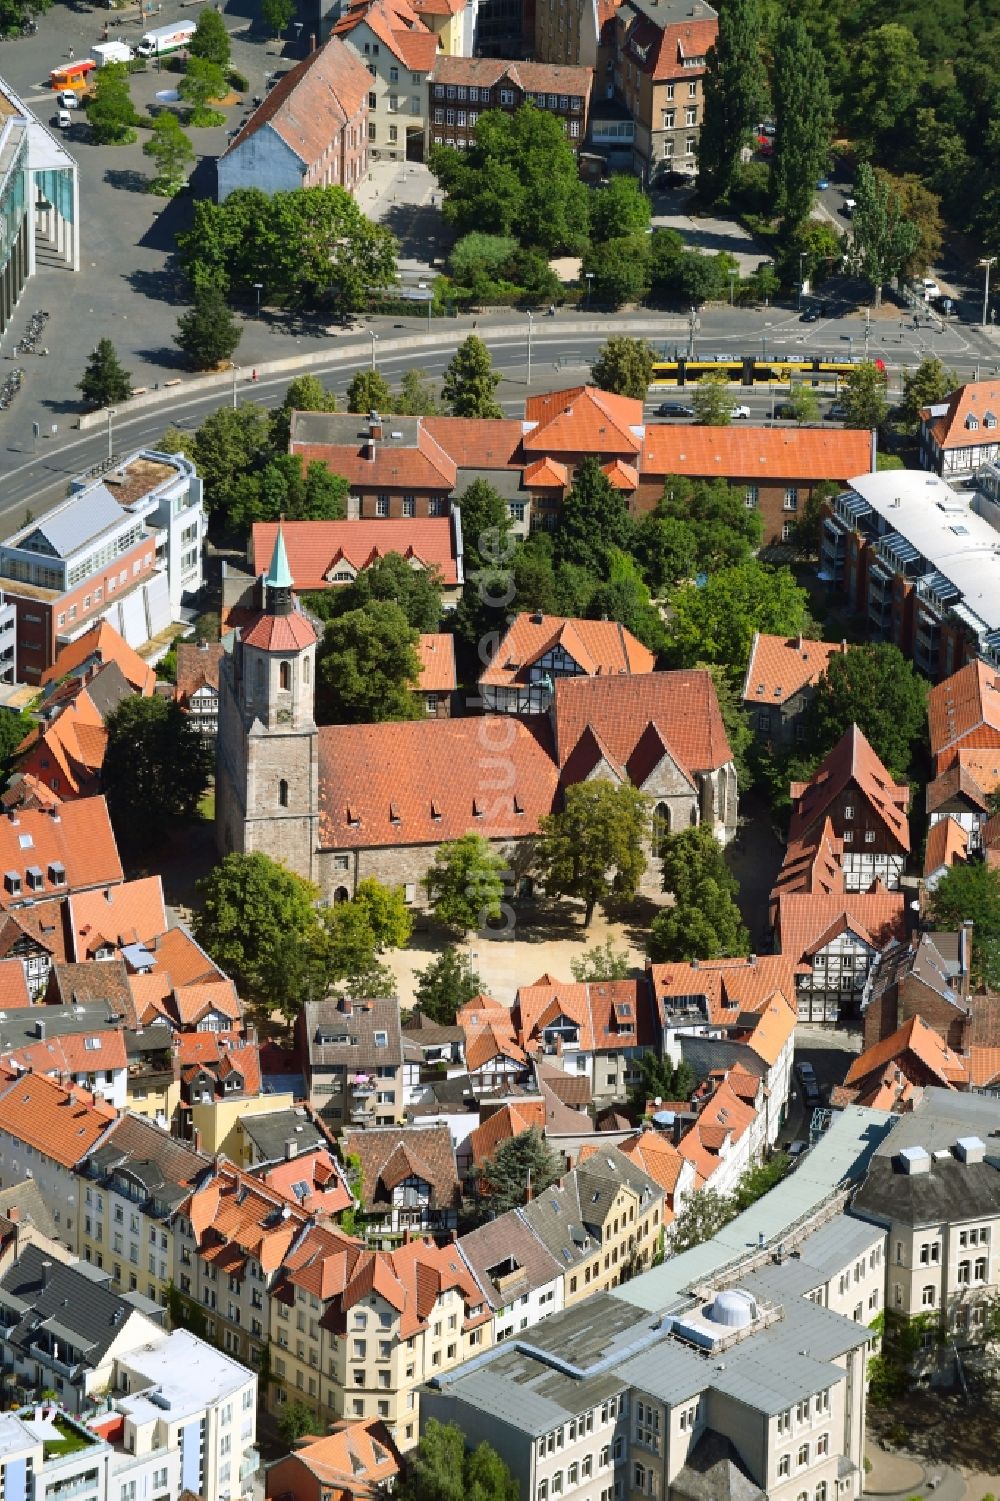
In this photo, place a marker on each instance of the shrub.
(238, 81)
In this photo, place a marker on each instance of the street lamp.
(531, 326)
(802, 256)
(590, 286)
(374, 338)
(111, 443)
(733, 274)
(236, 371)
(258, 287)
(987, 261)
(692, 322)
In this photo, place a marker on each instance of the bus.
(752, 370)
(75, 76)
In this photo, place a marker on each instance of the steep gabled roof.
(966, 702)
(311, 102)
(947, 843)
(104, 644)
(804, 919)
(972, 403)
(851, 762)
(600, 648)
(781, 666)
(314, 547)
(683, 704)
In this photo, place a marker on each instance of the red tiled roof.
(59, 1123)
(781, 666)
(598, 647)
(620, 475)
(682, 704)
(197, 667)
(353, 1463)
(429, 781)
(813, 864)
(117, 915)
(852, 762)
(279, 632)
(180, 959)
(478, 442)
(319, 1173)
(398, 27)
(581, 419)
(976, 399)
(532, 78)
(504, 1124)
(423, 465)
(77, 836)
(314, 546)
(802, 919)
(436, 651)
(766, 454)
(967, 701)
(84, 1052)
(103, 641)
(311, 103)
(731, 987)
(13, 985)
(947, 843)
(69, 751)
(545, 474)
(917, 1038)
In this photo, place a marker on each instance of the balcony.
(249, 1464)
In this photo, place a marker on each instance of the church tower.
(267, 768)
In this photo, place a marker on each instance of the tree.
(288, 486)
(875, 687)
(625, 597)
(441, 1469)
(465, 883)
(156, 767)
(254, 916)
(704, 1214)
(13, 729)
(470, 381)
(417, 592)
(416, 396)
(594, 849)
(486, 528)
(350, 948)
(888, 79)
(619, 209)
(230, 444)
(211, 39)
(864, 396)
(624, 367)
(716, 623)
(593, 520)
(620, 269)
(602, 962)
(476, 259)
(804, 404)
(367, 667)
(297, 1419)
(760, 1179)
(971, 893)
(208, 333)
(712, 401)
(704, 922)
(276, 15)
(519, 178)
(104, 379)
(920, 208)
(735, 92)
(804, 115)
(523, 1166)
(667, 551)
(928, 384)
(445, 985)
(659, 1079)
(736, 722)
(304, 393)
(724, 529)
(111, 114)
(170, 149)
(369, 392)
(387, 914)
(202, 81)
(883, 240)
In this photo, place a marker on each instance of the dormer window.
(12, 881)
(972, 423)
(989, 420)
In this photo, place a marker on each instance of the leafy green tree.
(804, 404)
(703, 1215)
(170, 149)
(716, 623)
(594, 849)
(416, 396)
(230, 444)
(486, 526)
(304, 393)
(666, 251)
(620, 268)
(659, 1079)
(253, 916)
(211, 39)
(388, 916)
(619, 209)
(277, 15)
(465, 883)
(470, 381)
(624, 367)
(875, 687)
(971, 893)
(889, 76)
(928, 384)
(367, 667)
(416, 591)
(667, 550)
(809, 520)
(760, 1179)
(111, 114)
(883, 240)
(735, 94)
(725, 530)
(288, 486)
(518, 179)
(920, 208)
(522, 1165)
(156, 767)
(624, 596)
(736, 722)
(712, 401)
(804, 114)
(209, 332)
(445, 985)
(593, 520)
(477, 259)
(369, 392)
(297, 1419)
(864, 396)
(104, 379)
(440, 1469)
(355, 933)
(202, 81)
(704, 921)
(13, 729)
(15, 15)
(602, 962)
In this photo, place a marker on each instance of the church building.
(339, 803)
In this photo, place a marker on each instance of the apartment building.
(352, 1055)
(934, 1187)
(660, 49)
(917, 559)
(598, 1030)
(125, 548)
(461, 88)
(521, 1280)
(48, 1130)
(354, 1332)
(34, 1465)
(136, 1179)
(409, 1181)
(197, 685)
(398, 49)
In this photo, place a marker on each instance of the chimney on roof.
(12, 815)
(312, 41)
(345, 1005)
(196, 1139)
(108, 895)
(40, 1028)
(46, 1269)
(13, 1214)
(374, 425)
(537, 618)
(291, 1149)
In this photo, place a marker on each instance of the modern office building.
(39, 199)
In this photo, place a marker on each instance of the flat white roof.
(940, 523)
(186, 1375)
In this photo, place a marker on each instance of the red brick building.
(461, 88)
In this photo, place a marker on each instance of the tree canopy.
(445, 985)
(864, 396)
(465, 883)
(883, 240)
(594, 848)
(735, 93)
(875, 687)
(804, 116)
(156, 767)
(389, 579)
(521, 1164)
(971, 893)
(704, 921)
(593, 520)
(716, 623)
(440, 1468)
(624, 366)
(105, 379)
(367, 667)
(470, 381)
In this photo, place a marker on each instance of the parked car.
(67, 99)
(740, 410)
(809, 1083)
(837, 412)
(674, 409)
(809, 315)
(669, 177)
(63, 119)
(850, 204)
(823, 184)
(931, 289)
